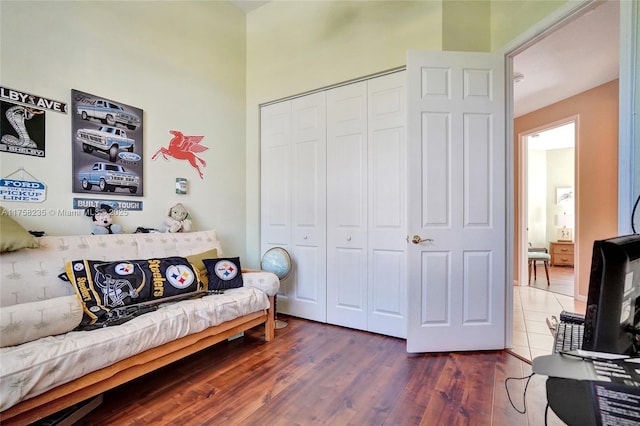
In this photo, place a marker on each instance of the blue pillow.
(223, 273)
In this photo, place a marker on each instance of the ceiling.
(556, 138)
(248, 5)
(579, 56)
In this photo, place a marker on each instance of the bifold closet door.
(387, 206)
(334, 195)
(347, 277)
(308, 296)
(275, 186)
(366, 205)
(293, 199)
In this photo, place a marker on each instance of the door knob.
(417, 239)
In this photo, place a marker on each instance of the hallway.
(532, 305)
(560, 279)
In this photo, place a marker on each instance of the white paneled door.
(387, 205)
(456, 193)
(307, 298)
(366, 205)
(275, 183)
(347, 230)
(293, 193)
(333, 167)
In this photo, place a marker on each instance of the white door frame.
(626, 133)
(523, 192)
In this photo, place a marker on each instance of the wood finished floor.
(561, 279)
(318, 374)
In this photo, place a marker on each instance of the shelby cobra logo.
(226, 270)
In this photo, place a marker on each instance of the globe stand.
(279, 323)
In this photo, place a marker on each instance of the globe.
(278, 261)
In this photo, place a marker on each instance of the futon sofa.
(47, 365)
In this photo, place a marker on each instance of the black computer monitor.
(613, 305)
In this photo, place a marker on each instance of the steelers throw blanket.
(103, 286)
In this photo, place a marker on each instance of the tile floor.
(531, 308)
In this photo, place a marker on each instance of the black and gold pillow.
(224, 273)
(197, 260)
(103, 286)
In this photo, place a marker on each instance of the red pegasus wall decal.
(183, 147)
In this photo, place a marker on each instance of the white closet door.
(307, 298)
(334, 195)
(275, 184)
(387, 205)
(347, 277)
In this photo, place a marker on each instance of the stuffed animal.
(102, 220)
(178, 220)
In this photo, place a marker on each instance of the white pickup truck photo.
(106, 139)
(109, 113)
(108, 177)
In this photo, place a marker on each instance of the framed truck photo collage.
(106, 146)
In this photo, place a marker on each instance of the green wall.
(466, 25)
(298, 46)
(182, 62)
(203, 67)
(510, 18)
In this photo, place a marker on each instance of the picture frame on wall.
(22, 129)
(107, 146)
(564, 234)
(564, 195)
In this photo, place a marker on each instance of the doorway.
(620, 198)
(549, 190)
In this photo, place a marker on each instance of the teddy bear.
(178, 220)
(102, 220)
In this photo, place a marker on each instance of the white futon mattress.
(35, 367)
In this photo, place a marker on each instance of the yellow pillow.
(12, 235)
(197, 261)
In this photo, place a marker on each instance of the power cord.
(524, 395)
(633, 214)
(546, 413)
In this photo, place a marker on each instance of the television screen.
(613, 305)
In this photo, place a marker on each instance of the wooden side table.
(562, 253)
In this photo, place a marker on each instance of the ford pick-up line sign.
(26, 191)
(106, 145)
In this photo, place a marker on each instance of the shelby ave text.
(34, 101)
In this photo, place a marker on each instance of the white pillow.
(267, 282)
(30, 321)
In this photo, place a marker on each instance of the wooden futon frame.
(97, 382)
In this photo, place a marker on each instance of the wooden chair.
(536, 254)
